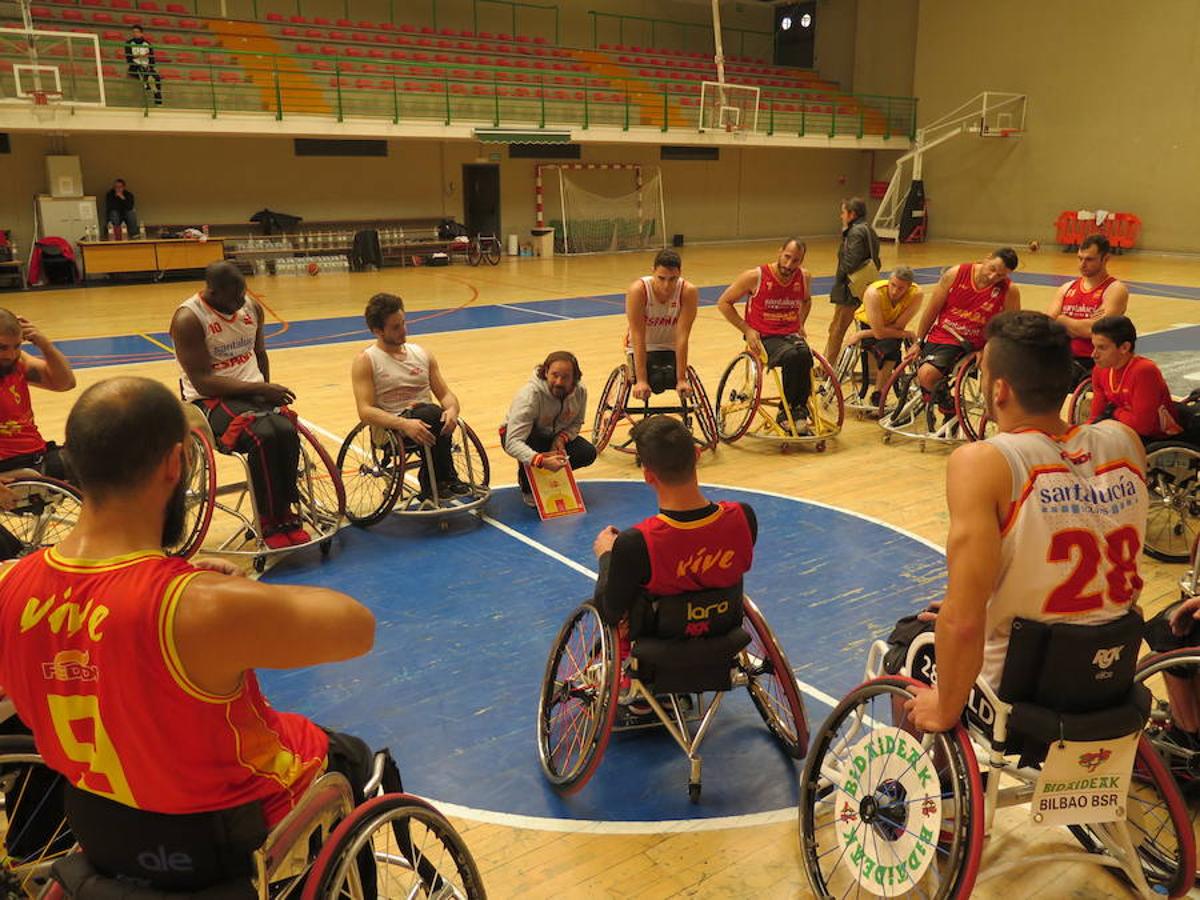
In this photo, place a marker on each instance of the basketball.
(1033, 246)
(313, 268)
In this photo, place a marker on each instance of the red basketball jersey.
(1079, 303)
(18, 432)
(713, 552)
(774, 307)
(90, 662)
(968, 310)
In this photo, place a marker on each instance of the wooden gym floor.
(898, 484)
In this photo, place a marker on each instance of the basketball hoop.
(39, 98)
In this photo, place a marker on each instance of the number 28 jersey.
(1070, 544)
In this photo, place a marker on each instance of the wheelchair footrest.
(638, 714)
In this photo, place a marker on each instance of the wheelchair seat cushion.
(81, 881)
(189, 852)
(1040, 725)
(689, 665)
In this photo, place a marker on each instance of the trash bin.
(514, 245)
(543, 241)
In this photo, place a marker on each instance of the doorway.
(481, 198)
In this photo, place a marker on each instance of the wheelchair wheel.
(611, 408)
(1079, 405)
(969, 402)
(201, 495)
(35, 829)
(772, 685)
(827, 403)
(43, 514)
(371, 463)
(702, 407)
(738, 394)
(491, 252)
(322, 496)
(851, 811)
(470, 459)
(417, 853)
(579, 700)
(1173, 476)
(854, 374)
(1159, 826)
(902, 407)
(474, 252)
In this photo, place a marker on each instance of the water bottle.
(112, 232)
(142, 231)
(203, 232)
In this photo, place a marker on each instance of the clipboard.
(555, 494)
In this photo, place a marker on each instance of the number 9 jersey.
(1071, 542)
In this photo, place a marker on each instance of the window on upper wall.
(543, 151)
(5, 146)
(327, 147)
(689, 154)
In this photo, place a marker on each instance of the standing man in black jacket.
(139, 57)
(859, 245)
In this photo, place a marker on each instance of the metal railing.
(653, 29)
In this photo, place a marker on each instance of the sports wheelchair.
(315, 852)
(616, 416)
(857, 370)
(887, 810)
(376, 468)
(906, 410)
(44, 511)
(321, 506)
(744, 409)
(1173, 477)
(673, 660)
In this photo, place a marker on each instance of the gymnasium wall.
(1112, 122)
(193, 180)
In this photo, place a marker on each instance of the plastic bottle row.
(305, 265)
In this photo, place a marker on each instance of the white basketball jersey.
(1070, 546)
(230, 342)
(400, 382)
(661, 317)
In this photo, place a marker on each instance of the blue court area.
(466, 620)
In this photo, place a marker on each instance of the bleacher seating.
(364, 68)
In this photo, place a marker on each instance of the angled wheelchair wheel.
(913, 800)
(491, 251)
(43, 513)
(902, 407)
(579, 700)
(772, 684)
(1079, 405)
(702, 407)
(35, 832)
(322, 495)
(969, 403)
(1173, 477)
(1159, 826)
(474, 252)
(404, 846)
(470, 458)
(853, 372)
(201, 496)
(371, 463)
(611, 408)
(739, 393)
(827, 405)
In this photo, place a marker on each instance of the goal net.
(604, 210)
(59, 65)
(728, 107)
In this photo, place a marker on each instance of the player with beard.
(395, 382)
(21, 444)
(218, 337)
(779, 302)
(1029, 508)
(165, 650)
(543, 423)
(1094, 295)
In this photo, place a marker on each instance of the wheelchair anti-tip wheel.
(416, 853)
(1173, 477)
(35, 830)
(43, 513)
(887, 813)
(578, 700)
(371, 462)
(772, 684)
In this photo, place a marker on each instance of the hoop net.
(732, 108)
(595, 219)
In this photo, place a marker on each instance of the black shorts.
(943, 357)
(1161, 639)
(882, 349)
(660, 370)
(49, 462)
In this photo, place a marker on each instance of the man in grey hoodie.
(543, 424)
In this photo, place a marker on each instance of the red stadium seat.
(198, 75)
(74, 15)
(369, 25)
(41, 12)
(160, 22)
(200, 41)
(425, 29)
(408, 29)
(317, 20)
(177, 8)
(131, 19)
(98, 17)
(118, 36)
(148, 6)
(314, 33)
(355, 51)
(399, 54)
(360, 37)
(344, 23)
(338, 36)
(486, 35)
(271, 17)
(121, 4)
(188, 23)
(298, 20)
(327, 50)
(376, 53)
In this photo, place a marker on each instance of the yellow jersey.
(892, 310)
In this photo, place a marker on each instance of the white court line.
(536, 312)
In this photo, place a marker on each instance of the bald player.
(954, 322)
(1079, 304)
(778, 304)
